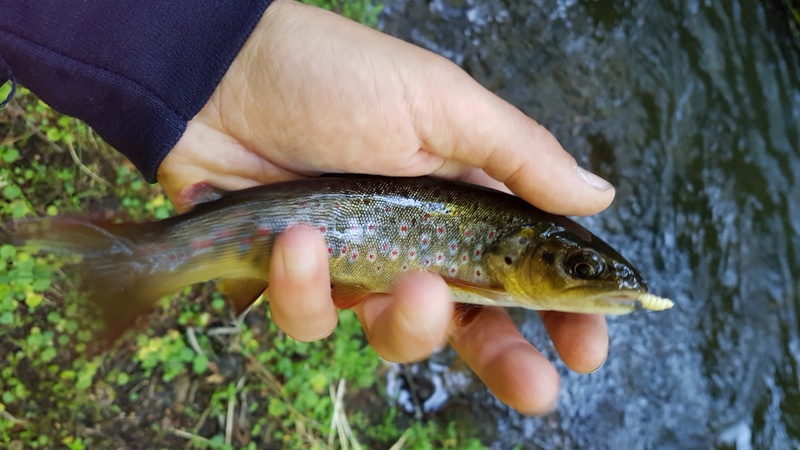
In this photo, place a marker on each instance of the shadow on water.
(692, 109)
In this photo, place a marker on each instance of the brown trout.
(492, 248)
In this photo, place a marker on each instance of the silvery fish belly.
(492, 248)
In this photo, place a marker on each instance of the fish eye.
(585, 264)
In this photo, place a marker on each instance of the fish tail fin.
(117, 277)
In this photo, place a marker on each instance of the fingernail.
(593, 180)
(598, 367)
(603, 363)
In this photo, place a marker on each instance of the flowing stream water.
(692, 109)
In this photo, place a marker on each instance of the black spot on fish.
(549, 257)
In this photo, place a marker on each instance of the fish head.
(562, 266)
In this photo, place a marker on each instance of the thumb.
(476, 127)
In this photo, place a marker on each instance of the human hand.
(313, 93)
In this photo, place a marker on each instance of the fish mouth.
(610, 302)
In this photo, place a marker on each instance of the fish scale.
(387, 236)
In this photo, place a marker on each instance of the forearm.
(136, 71)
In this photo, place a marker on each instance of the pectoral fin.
(465, 292)
(242, 291)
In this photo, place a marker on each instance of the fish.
(492, 248)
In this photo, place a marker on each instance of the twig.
(202, 420)
(402, 441)
(7, 415)
(229, 419)
(339, 420)
(137, 387)
(187, 435)
(412, 389)
(231, 411)
(83, 167)
(243, 404)
(192, 337)
(333, 429)
(192, 392)
(221, 331)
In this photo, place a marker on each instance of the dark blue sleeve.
(135, 70)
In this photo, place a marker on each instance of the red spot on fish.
(405, 268)
(477, 252)
(330, 250)
(395, 252)
(453, 270)
(323, 229)
(491, 234)
(378, 268)
(371, 227)
(354, 256)
(344, 249)
(264, 231)
(426, 216)
(468, 233)
(371, 256)
(464, 257)
(403, 230)
(412, 253)
(336, 206)
(478, 273)
(424, 241)
(388, 209)
(440, 230)
(385, 246)
(453, 246)
(427, 262)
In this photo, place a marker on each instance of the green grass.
(192, 373)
